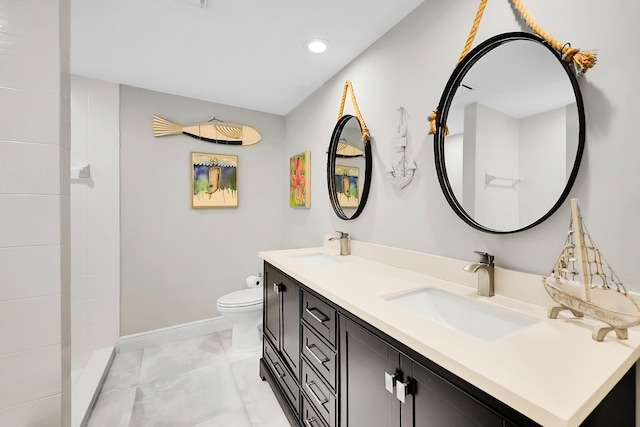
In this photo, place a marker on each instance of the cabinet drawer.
(320, 356)
(320, 316)
(309, 415)
(319, 394)
(283, 376)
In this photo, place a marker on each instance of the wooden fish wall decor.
(214, 130)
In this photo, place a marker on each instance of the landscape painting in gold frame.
(214, 180)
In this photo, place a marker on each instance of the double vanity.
(389, 337)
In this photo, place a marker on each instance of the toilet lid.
(243, 298)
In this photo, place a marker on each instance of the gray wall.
(176, 261)
(410, 66)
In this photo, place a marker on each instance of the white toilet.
(244, 310)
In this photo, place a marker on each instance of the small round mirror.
(516, 126)
(348, 168)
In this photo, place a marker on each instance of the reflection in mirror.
(516, 134)
(348, 168)
(347, 149)
(347, 185)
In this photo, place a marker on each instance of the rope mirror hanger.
(580, 61)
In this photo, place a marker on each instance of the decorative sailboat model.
(601, 294)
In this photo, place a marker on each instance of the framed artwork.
(347, 186)
(300, 180)
(214, 180)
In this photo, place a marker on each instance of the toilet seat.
(243, 298)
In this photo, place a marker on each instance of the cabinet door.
(271, 321)
(364, 359)
(290, 324)
(434, 402)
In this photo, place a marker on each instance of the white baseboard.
(172, 333)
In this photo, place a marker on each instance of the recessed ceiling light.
(316, 45)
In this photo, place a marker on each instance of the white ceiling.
(245, 53)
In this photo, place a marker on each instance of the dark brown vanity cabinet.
(281, 330)
(329, 368)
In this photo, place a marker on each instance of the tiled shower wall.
(35, 387)
(95, 219)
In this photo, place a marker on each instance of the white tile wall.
(36, 413)
(33, 374)
(22, 110)
(29, 271)
(24, 22)
(95, 218)
(104, 165)
(29, 323)
(42, 72)
(34, 214)
(22, 167)
(29, 220)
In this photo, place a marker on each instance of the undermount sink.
(318, 258)
(464, 314)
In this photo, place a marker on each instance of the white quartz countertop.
(552, 371)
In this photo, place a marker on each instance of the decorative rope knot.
(582, 61)
(569, 52)
(433, 119)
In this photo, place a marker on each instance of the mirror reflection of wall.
(535, 152)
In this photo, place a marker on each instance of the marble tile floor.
(197, 382)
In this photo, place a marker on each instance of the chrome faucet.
(484, 268)
(344, 242)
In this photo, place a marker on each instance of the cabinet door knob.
(402, 390)
(389, 381)
(278, 287)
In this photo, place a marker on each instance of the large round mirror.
(348, 168)
(515, 121)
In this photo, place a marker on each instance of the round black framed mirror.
(516, 131)
(349, 167)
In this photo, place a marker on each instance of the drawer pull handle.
(313, 393)
(275, 368)
(320, 317)
(321, 359)
(310, 422)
